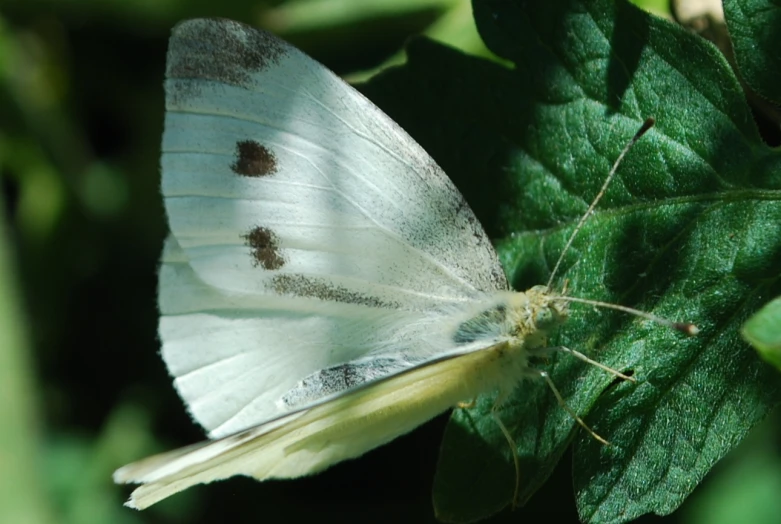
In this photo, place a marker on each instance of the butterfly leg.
(513, 448)
(569, 410)
(584, 358)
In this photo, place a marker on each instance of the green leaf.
(744, 487)
(687, 231)
(753, 28)
(763, 331)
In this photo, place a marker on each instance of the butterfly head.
(549, 310)
(537, 312)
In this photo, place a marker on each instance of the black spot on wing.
(341, 378)
(253, 159)
(219, 50)
(346, 375)
(265, 248)
(303, 286)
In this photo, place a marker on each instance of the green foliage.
(753, 27)
(747, 489)
(21, 496)
(689, 230)
(763, 331)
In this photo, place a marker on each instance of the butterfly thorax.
(522, 319)
(510, 330)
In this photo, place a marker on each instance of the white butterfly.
(324, 288)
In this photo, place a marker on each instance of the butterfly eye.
(543, 318)
(549, 316)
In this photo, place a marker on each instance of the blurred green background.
(82, 390)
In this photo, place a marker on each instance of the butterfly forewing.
(308, 233)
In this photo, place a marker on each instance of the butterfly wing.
(312, 440)
(314, 246)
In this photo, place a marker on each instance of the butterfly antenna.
(686, 328)
(648, 124)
